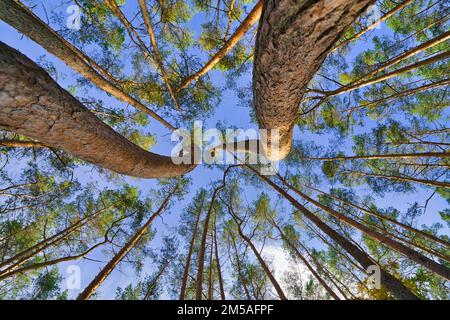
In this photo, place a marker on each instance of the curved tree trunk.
(21, 18)
(294, 37)
(34, 105)
(394, 285)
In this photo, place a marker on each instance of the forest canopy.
(348, 199)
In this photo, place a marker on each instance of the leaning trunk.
(34, 105)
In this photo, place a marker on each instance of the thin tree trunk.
(152, 286)
(291, 34)
(21, 18)
(263, 264)
(373, 25)
(219, 270)
(191, 250)
(248, 22)
(33, 104)
(305, 262)
(211, 269)
(201, 255)
(375, 214)
(239, 268)
(389, 75)
(408, 54)
(111, 265)
(383, 156)
(413, 255)
(148, 24)
(400, 95)
(404, 179)
(395, 286)
(29, 253)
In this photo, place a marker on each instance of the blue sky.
(228, 112)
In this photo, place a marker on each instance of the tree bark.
(34, 105)
(394, 285)
(21, 18)
(111, 265)
(294, 38)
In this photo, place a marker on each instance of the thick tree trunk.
(111, 265)
(21, 18)
(395, 286)
(294, 37)
(34, 105)
(249, 21)
(191, 250)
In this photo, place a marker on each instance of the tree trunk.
(148, 24)
(375, 214)
(189, 256)
(111, 265)
(29, 253)
(219, 270)
(395, 286)
(249, 21)
(21, 18)
(383, 156)
(373, 25)
(201, 255)
(32, 104)
(201, 258)
(294, 37)
(263, 264)
(413, 255)
(438, 184)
